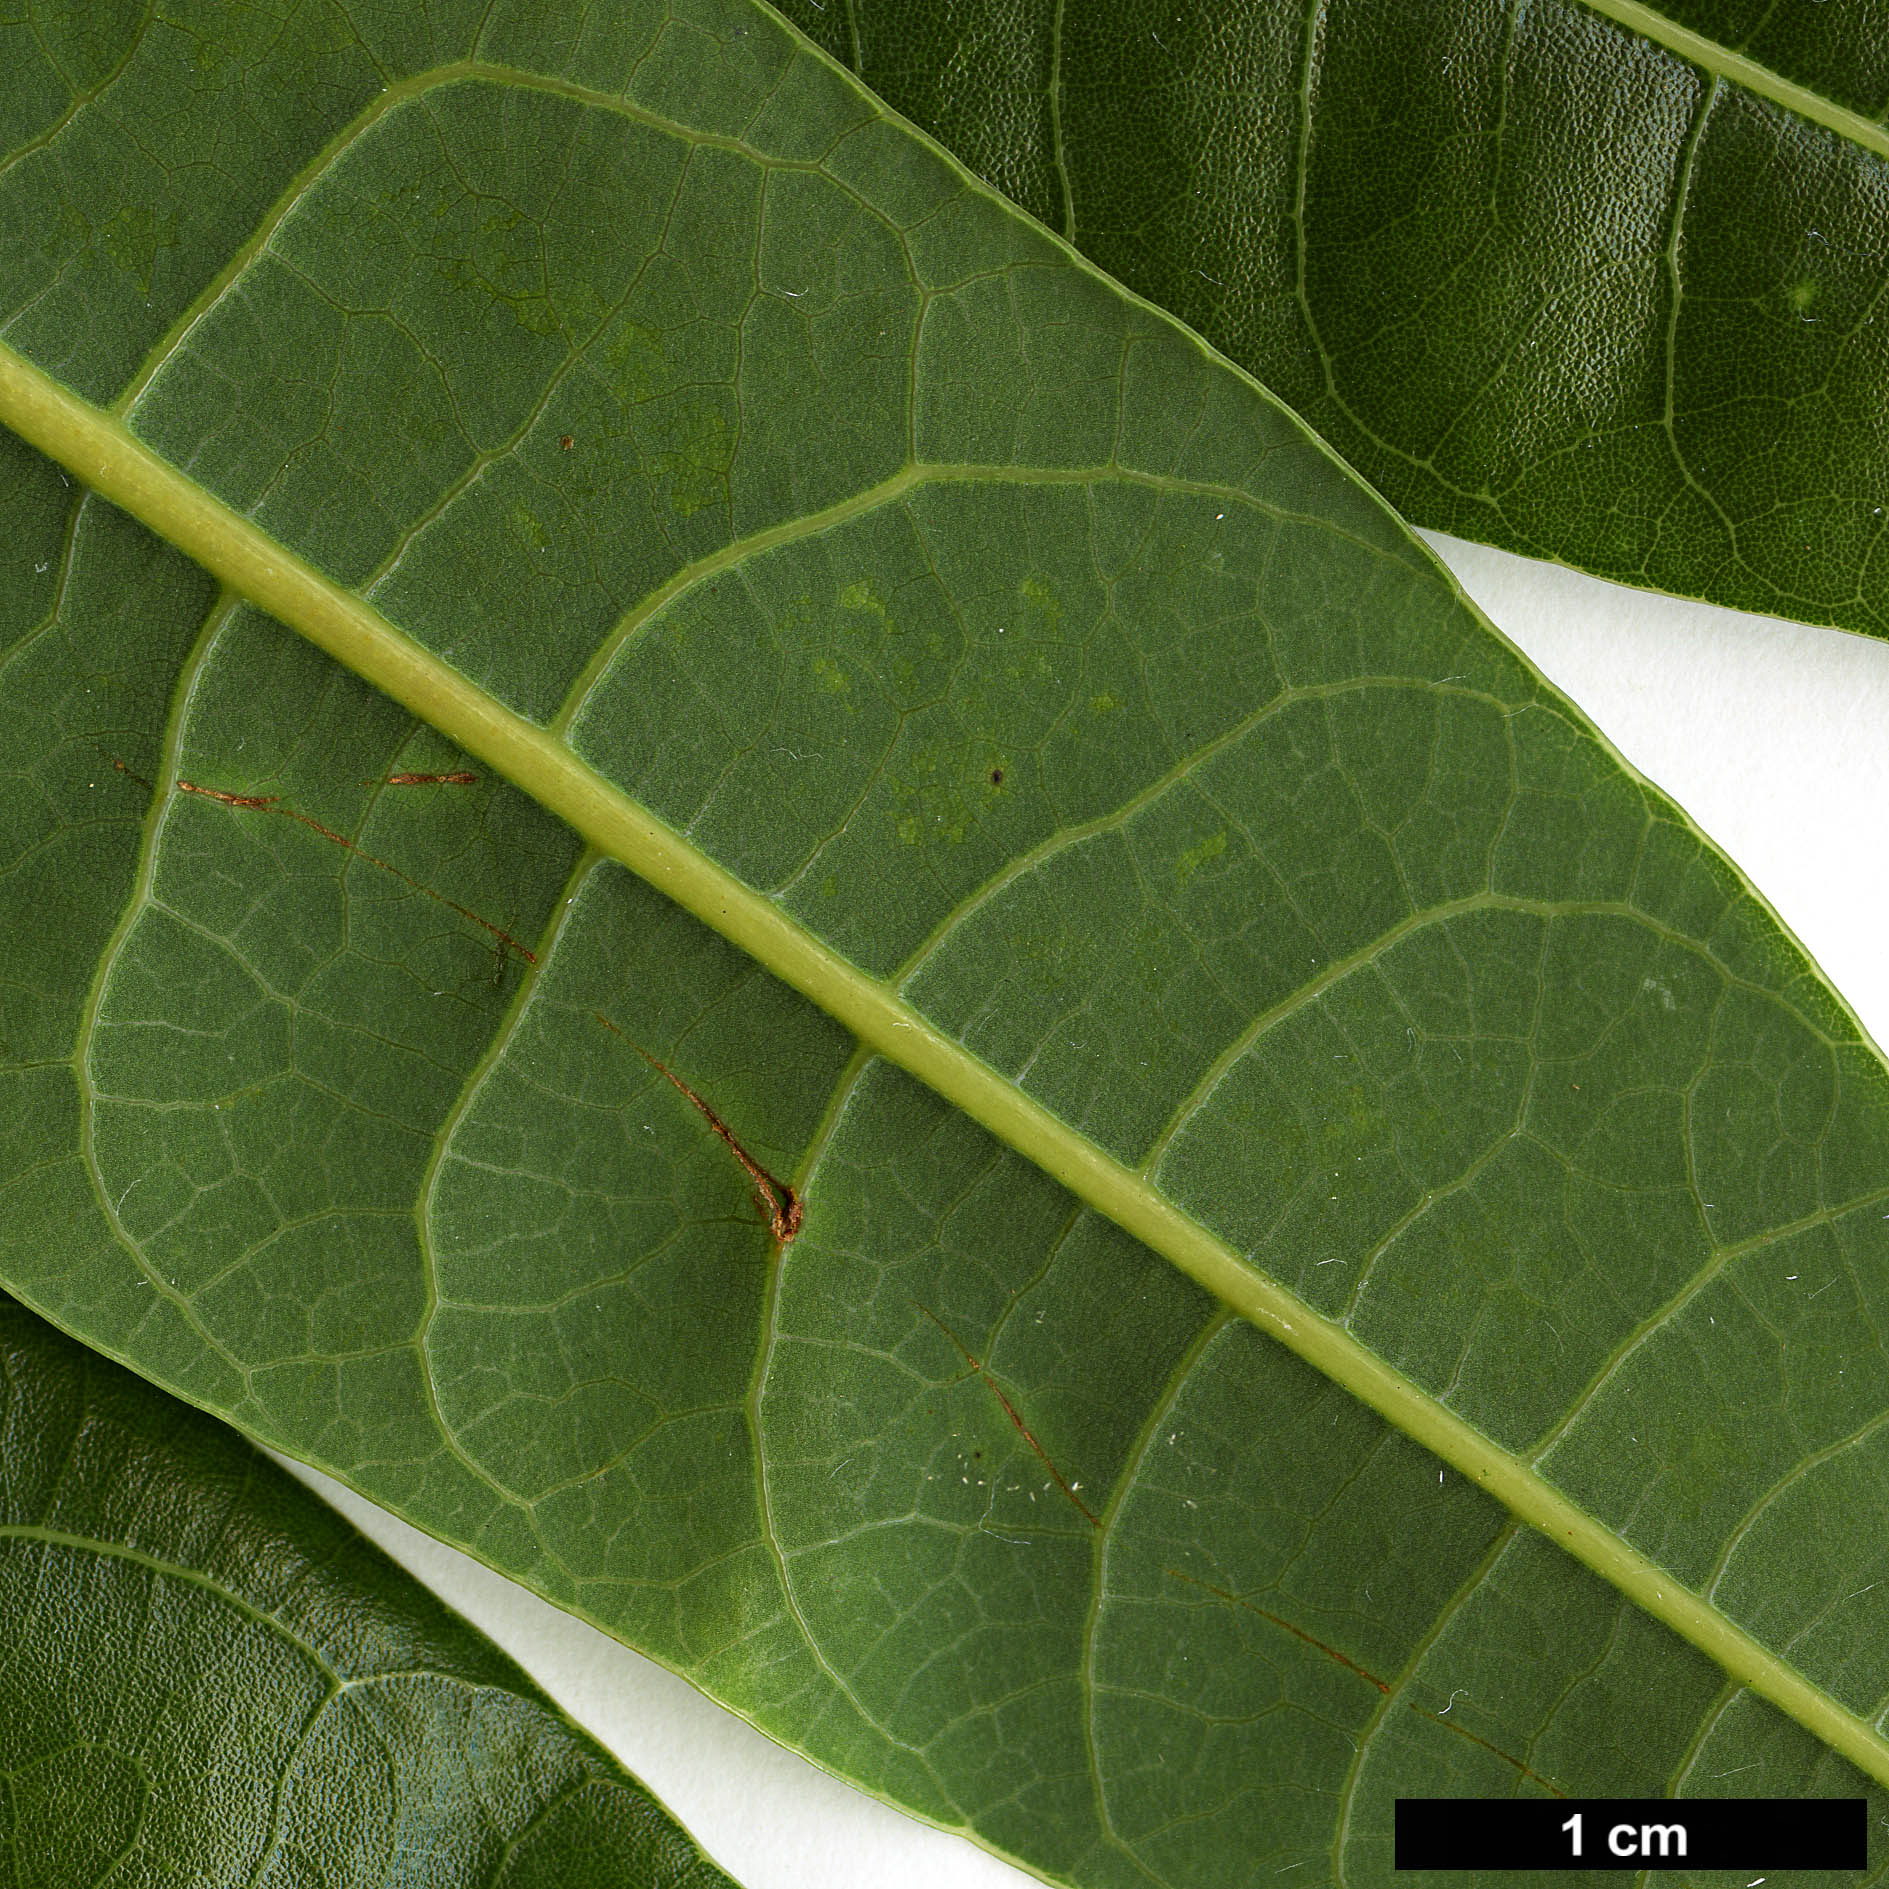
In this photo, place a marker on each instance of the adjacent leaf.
(208, 1677)
(962, 645)
(1593, 282)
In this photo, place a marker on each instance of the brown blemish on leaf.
(778, 1202)
(128, 774)
(1494, 1750)
(1351, 1665)
(1284, 1625)
(272, 803)
(460, 777)
(257, 801)
(1010, 1410)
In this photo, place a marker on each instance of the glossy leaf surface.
(1600, 284)
(207, 1677)
(956, 637)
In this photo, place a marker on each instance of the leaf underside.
(1544, 281)
(1037, 666)
(208, 1677)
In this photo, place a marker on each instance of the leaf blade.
(115, 465)
(236, 1568)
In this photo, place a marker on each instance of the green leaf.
(1089, 853)
(208, 1677)
(1595, 282)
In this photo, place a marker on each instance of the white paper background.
(1773, 737)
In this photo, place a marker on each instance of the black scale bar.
(1756, 1833)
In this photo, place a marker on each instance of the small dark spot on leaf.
(996, 777)
(566, 442)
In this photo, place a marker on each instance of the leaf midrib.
(99, 450)
(1707, 54)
